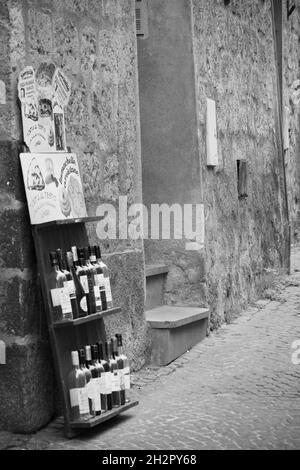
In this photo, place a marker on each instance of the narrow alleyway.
(238, 389)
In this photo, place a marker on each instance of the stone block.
(26, 385)
(174, 330)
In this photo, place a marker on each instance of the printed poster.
(53, 187)
(43, 99)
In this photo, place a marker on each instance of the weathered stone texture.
(26, 385)
(291, 73)
(235, 66)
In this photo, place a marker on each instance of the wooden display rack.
(66, 336)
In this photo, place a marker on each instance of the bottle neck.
(81, 360)
(75, 360)
(56, 268)
(108, 351)
(100, 352)
(112, 352)
(115, 351)
(95, 355)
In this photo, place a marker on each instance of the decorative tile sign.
(43, 96)
(53, 187)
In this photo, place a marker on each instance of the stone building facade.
(136, 120)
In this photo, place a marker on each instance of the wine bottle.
(79, 403)
(79, 290)
(99, 277)
(120, 364)
(89, 384)
(69, 283)
(81, 276)
(62, 308)
(95, 380)
(116, 398)
(93, 271)
(109, 302)
(89, 288)
(101, 372)
(126, 368)
(108, 375)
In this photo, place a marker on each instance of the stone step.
(155, 280)
(175, 330)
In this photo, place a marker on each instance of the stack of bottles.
(79, 283)
(99, 380)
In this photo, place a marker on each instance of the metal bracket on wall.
(242, 178)
(290, 7)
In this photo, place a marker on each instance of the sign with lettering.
(43, 96)
(53, 187)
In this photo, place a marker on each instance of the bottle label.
(115, 382)
(122, 380)
(65, 301)
(97, 296)
(97, 393)
(55, 297)
(99, 280)
(83, 304)
(108, 381)
(93, 258)
(107, 289)
(103, 384)
(71, 288)
(127, 381)
(84, 283)
(79, 397)
(91, 389)
(74, 398)
(83, 401)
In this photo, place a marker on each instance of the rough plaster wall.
(94, 43)
(291, 73)
(170, 155)
(235, 66)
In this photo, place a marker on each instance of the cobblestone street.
(237, 389)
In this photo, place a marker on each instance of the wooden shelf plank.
(87, 319)
(81, 220)
(106, 416)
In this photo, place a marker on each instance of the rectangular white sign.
(211, 134)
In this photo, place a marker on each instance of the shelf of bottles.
(98, 383)
(92, 371)
(78, 286)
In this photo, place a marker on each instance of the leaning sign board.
(53, 187)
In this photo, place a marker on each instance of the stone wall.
(94, 43)
(235, 66)
(291, 106)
